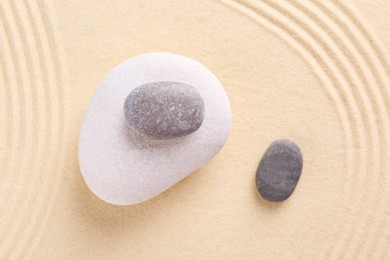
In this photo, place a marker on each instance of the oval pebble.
(279, 170)
(123, 166)
(165, 110)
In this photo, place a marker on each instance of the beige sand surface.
(314, 71)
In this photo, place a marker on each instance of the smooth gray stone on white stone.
(279, 170)
(165, 110)
(123, 166)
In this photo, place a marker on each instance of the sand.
(316, 72)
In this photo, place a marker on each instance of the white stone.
(123, 167)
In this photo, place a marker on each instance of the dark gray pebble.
(165, 110)
(279, 170)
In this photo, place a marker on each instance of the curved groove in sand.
(34, 57)
(377, 88)
(40, 146)
(19, 143)
(18, 212)
(367, 76)
(318, 66)
(363, 70)
(381, 68)
(6, 111)
(57, 165)
(313, 60)
(358, 82)
(328, 35)
(377, 85)
(356, 182)
(9, 107)
(12, 120)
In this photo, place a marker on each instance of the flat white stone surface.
(123, 167)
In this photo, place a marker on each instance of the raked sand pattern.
(355, 71)
(53, 55)
(32, 125)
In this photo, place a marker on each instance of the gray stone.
(279, 170)
(164, 110)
